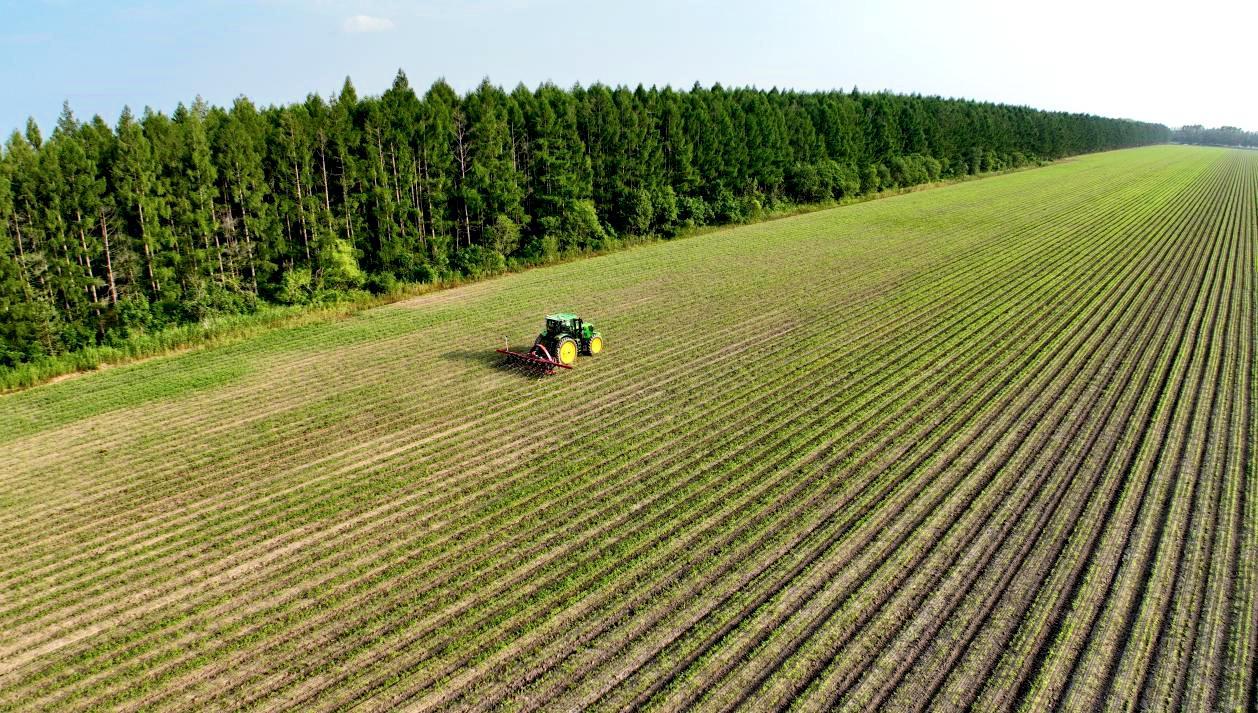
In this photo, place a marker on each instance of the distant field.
(991, 444)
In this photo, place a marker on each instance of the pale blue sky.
(1173, 63)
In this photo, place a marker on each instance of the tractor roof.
(562, 316)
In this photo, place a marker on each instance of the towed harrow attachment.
(539, 359)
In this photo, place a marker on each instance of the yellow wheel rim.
(596, 345)
(567, 352)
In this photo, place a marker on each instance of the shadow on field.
(484, 357)
(490, 359)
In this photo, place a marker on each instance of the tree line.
(109, 231)
(1222, 136)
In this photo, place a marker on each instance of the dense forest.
(111, 231)
(1222, 136)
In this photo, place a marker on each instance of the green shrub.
(638, 211)
(503, 235)
(726, 208)
(476, 261)
(664, 201)
(870, 179)
(804, 182)
(577, 228)
(296, 287)
(693, 211)
(885, 180)
(340, 267)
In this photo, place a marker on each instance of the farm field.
(987, 445)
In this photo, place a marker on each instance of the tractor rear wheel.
(566, 351)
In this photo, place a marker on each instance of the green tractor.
(566, 336)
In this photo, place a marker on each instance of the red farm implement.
(539, 359)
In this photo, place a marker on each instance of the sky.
(1175, 63)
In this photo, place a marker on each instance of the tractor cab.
(563, 323)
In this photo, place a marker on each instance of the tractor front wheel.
(566, 353)
(595, 345)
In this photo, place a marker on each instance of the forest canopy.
(1222, 136)
(159, 220)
